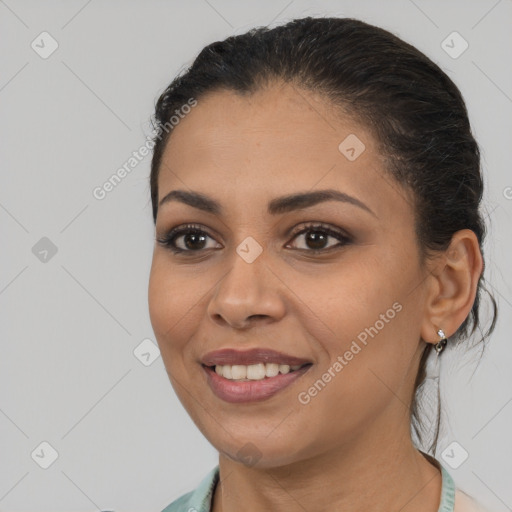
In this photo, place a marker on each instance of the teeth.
(253, 371)
(226, 371)
(256, 371)
(238, 371)
(272, 369)
(284, 368)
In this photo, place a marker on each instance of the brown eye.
(193, 239)
(317, 238)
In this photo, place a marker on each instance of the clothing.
(199, 500)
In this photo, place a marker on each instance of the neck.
(374, 472)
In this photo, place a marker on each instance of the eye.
(317, 236)
(194, 239)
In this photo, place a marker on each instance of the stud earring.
(439, 347)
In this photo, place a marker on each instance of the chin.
(262, 453)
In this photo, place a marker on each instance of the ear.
(454, 281)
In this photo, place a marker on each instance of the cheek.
(362, 316)
(343, 300)
(171, 300)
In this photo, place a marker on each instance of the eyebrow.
(276, 206)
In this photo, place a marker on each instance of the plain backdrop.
(78, 84)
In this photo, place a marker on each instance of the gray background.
(70, 321)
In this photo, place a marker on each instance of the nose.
(248, 293)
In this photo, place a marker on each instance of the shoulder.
(198, 500)
(465, 503)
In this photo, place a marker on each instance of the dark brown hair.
(413, 108)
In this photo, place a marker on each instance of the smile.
(256, 382)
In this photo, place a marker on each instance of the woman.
(315, 192)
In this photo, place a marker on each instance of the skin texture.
(349, 448)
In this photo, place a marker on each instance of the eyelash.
(169, 239)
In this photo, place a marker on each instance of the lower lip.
(250, 391)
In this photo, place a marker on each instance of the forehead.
(271, 117)
(279, 139)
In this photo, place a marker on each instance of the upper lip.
(231, 356)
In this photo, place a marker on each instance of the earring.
(439, 347)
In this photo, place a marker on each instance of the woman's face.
(352, 305)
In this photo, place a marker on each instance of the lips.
(244, 391)
(230, 356)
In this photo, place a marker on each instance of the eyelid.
(188, 225)
(321, 226)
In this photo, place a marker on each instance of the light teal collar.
(447, 492)
(200, 499)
